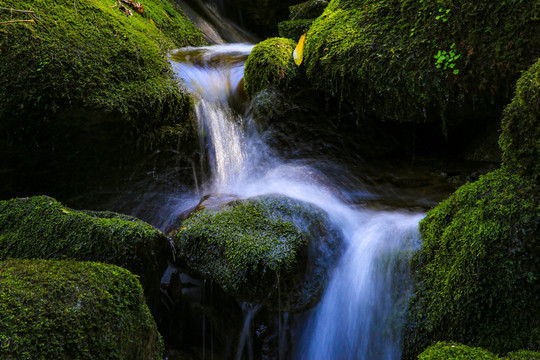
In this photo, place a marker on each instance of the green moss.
(269, 249)
(454, 351)
(41, 227)
(73, 310)
(409, 60)
(89, 55)
(294, 29)
(523, 355)
(270, 63)
(477, 271)
(520, 135)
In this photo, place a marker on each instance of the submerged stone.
(41, 227)
(269, 249)
(73, 310)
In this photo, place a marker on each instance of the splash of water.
(357, 317)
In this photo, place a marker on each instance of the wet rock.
(269, 249)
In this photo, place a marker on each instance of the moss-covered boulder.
(40, 227)
(82, 83)
(269, 249)
(520, 135)
(270, 64)
(446, 61)
(477, 271)
(301, 17)
(73, 310)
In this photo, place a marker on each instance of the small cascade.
(360, 314)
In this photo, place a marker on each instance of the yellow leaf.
(66, 211)
(152, 22)
(298, 53)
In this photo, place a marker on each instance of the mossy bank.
(83, 83)
(73, 310)
(41, 227)
(449, 62)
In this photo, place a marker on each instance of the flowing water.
(361, 311)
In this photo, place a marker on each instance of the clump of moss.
(446, 61)
(454, 351)
(523, 355)
(269, 249)
(73, 310)
(477, 270)
(270, 64)
(521, 126)
(41, 227)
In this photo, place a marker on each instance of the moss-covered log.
(270, 64)
(268, 249)
(73, 310)
(446, 61)
(40, 227)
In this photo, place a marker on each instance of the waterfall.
(359, 316)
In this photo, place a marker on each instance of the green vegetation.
(268, 249)
(478, 267)
(293, 29)
(79, 58)
(41, 227)
(477, 272)
(453, 351)
(270, 63)
(447, 61)
(73, 310)
(521, 126)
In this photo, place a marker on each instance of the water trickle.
(359, 316)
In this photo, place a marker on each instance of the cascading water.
(360, 312)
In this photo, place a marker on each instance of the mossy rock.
(477, 271)
(40, 227)
(523, 355)
(520, 135)
(454, 351)
(73, 310)
(83, 81)
(269, 249)
(451, 62)
(270, 64)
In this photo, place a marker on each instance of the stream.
(361, 311)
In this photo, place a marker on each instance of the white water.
(358, 316)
